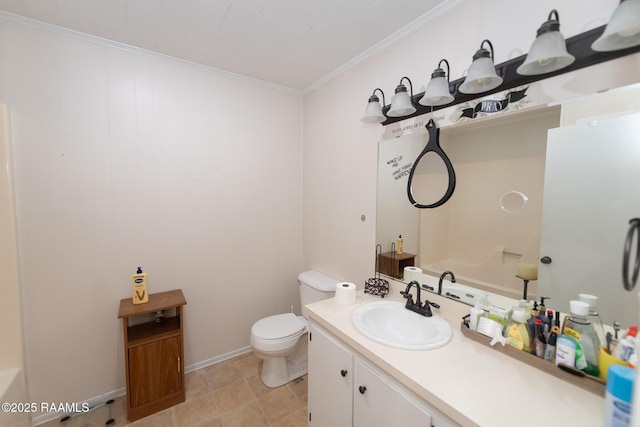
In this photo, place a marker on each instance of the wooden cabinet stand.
(153, 353)
(392, 264)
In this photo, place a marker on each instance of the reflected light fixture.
(623, 29)
(548, 51)
(437, 92)
(373, 112)
(401, 104)
(482, 75)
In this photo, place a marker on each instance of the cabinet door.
(330, 381)
(155, 371)
(378, 402)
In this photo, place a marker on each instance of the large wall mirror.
(530, 183)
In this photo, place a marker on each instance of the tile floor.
(228, 394)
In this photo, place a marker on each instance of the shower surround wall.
(124, 158)
(12, 374)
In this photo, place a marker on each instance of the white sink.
(389, 323)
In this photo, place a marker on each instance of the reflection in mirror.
(471, 234)
(423, 179)
(587, 207)
(430, 180)
(513, 201)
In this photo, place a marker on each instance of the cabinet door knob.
(545, 260)
(343, 373)
(362, 389)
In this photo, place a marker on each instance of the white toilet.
(281, 340)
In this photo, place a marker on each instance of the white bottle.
(475, 314)
(617, 401)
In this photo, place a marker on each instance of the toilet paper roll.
(345, 293)
(411, 274)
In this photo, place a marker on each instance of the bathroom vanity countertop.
(472, 384)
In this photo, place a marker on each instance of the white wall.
(340, 151)
(123, 159)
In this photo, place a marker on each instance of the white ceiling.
(292, 43)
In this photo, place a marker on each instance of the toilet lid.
(277, 327)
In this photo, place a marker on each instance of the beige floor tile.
(248, 415)
(161, 419)
(249, 365)
(300, 388)
(279, 404)
(232, 396)
(257, 386)
(297, 419)
(197, 412)
(222, 374)
(196, 384)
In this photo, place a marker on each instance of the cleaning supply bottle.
(518, 332)
(626, 346)
(578, 327)
(140, 295)
(542, 309)
(550, 351)
(399, 248)
(539, 341)
(593, 316)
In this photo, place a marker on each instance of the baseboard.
(217, 359)
(96, 400)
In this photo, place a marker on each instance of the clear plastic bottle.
(578, 326)
(593, 316)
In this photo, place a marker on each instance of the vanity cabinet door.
(330, 381)
(378, 402)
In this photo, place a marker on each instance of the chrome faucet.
(453, 280)
(418, 306)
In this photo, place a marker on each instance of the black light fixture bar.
(578, 46)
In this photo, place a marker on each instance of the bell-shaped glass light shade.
(437, 92)
(482, 75)
(548, 52)
(401, 104)
(623, 29)
(373, 112)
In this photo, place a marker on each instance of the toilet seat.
(279, 326)
(275, 333)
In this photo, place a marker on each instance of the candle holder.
(526, 285)
(526, 272)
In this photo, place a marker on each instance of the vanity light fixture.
(373, 112)
(437, 92)
(623, 29)
(482, 75)
(549, 50)
(401, 104)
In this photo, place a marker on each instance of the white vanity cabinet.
(347, 390)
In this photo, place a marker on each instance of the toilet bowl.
(281, 340)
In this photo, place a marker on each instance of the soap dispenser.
(140, 295)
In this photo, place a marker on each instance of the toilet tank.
(315, 286)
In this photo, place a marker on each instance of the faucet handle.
(432, 304)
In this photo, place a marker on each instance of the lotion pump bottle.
(140, 295)
(399, 245)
